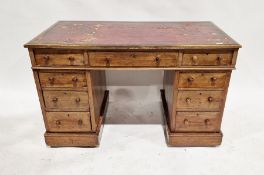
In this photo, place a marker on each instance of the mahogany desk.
(70, 58)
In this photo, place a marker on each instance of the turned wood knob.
(195, 59)
(213, 79)
(190, 79)
(58, 122)
(186, 122)
(188, 100)
(219, 59)
(46, 58)
(77, 100)
(157, 59)
(80, 122)
(210, 99)
(71, 58)
(54, 99)
(107, 60)
(207, 122)
(133, 55)
(51, 79)
(74, 79)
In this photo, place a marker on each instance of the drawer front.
(198, 121)
(59, 59)
(68, 121)
(199, 100)
(207, 59)
(137, 59)
(66, 101)
(202, 80)
(62, 79)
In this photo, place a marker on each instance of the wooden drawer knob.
(51, 80)
(133, 55)
(54, 99)
(74, 79)
(213, 79)
(58, 122)
(157, 59)
(71, 58)
(207, 122)
(46, 58)
(188, 100)
(218, 59)
(190, 79)
(210, 99)
(77, 100)
(80, 122)
(107, 60)
(195, 59)
(186, 122)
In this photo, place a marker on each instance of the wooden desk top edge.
(97, 35)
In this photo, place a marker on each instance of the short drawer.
(68, 121)
(59, 58)
(136, 59)
(209, 58)
(199, 100)
(62, 79)
(202, 80)
(198, 121)
(66, 100)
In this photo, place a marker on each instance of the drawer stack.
(199, 101)
(196, 96)
(66, 110)
(69, 107)
(65, 93)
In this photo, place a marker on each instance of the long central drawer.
(136, 59)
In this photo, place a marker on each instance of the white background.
(133, 140)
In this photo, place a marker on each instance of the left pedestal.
(73, 99)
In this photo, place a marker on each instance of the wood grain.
(68, 121)
(62, 79)
(72, 139)
(207, 58)
(133, 59)
(170, 82)
(86, 139)
(202, 80)
(198, 122)
(96, 90)
(199, 100)
(188, 139)
(66, 100)
(194, 139)
(58, 58)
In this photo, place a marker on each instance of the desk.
(70, 58)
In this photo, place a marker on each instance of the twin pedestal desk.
(70, 58)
